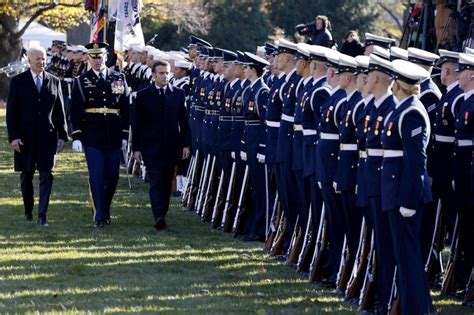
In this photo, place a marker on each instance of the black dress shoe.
(28, 217)
(160, 223)
(281, 258)
(176, 194)
(43, 222)
(108, 221)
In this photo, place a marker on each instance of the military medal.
(443, 109)
(329, 113)
(466, 118)
(251, 106)
(445, 122)
(389, 131)
(366, 123)
(377, 125)
(347, 118)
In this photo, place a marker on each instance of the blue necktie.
(38, 83)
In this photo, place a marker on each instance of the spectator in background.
(322, 36)
(352, 45)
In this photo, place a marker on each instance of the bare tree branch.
(392, 15)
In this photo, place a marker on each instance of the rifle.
(366, 300)
(394, 301)
(294, 253)
(205, 214)
(274, 220)
(187, 186)
(202, 184)
(307, 241)
(227, 214)
(216, 213)
(436, 246)
(267, 221)
(360, 265)
(316, 266)
(449, 284)
(344, 268)
(469, 298)
(241, 204)
(194, 183)
(277, 246)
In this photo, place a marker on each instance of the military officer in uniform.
(253, 140)
(405, 186)
(379, 82)
(100, 121)
(372, 40)
(36, 129)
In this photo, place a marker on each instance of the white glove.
(407, 213)
(243, 156)
(320, 185)
(77, 146)
(124, 144)
(334, 185)
(261, 158)
(453, 184)
(232, 155)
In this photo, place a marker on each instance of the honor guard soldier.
(464, 130)
(361, 119)
(405, 186)
(255, 104)
(380, 80)
(442, 149)
(100, 123)
(311, 115)
(430, 93)
(372, 40)
(286, 177)
(272, 122)
(327, 152)
(345, 178)
(305, 85)
(269, 77)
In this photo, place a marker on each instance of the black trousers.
(160, 189)
(27, 191)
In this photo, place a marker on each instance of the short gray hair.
(33, 49)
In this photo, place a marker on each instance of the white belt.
(374, 152)
(464, 143)
(362, 154)
(287, 118)
(298, 127)
(309, 132)
(329, 136)
(392, 153)
(274, 124)
(348, 147)
(446, 139)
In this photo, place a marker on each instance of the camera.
(305, 29)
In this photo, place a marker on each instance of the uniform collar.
(378, 102)
(468, 94)
(178, 81)
(288, 76)
(336, 88)
(318, 80)
(281, 74)
(451, 86)
(255, 82)
(104, 72)
(398, 103)
(234, 82)
(368, 99)
(306, 80)
(348, 97)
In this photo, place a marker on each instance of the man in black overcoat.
(160, 136)
(36, 129)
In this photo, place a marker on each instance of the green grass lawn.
(128, 267)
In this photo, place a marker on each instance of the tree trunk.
(11, 48)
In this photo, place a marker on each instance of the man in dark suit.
(161, 136)
(36, 129)
(100, 122)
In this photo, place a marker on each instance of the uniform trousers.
(103, 166)
(411, 278)
(160, 189)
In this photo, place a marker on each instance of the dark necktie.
(38, 83)
(101, 77)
